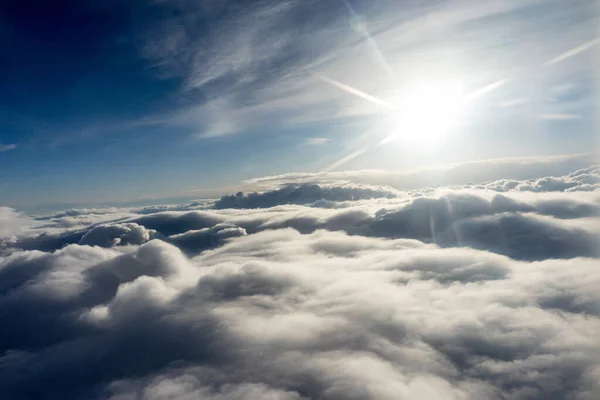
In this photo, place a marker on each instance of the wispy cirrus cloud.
(261, 69)
(560, 117)
(7, 147)
(316, 141)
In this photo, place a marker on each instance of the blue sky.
(124, 100)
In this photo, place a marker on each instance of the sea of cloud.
(310, 291)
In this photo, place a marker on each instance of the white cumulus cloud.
(315, 292)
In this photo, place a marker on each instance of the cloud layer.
(310, 292)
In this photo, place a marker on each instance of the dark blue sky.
(107, 101)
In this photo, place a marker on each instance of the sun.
(425, 113)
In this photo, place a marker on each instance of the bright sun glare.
(425, 113)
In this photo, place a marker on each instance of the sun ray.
(361, 28)
(573, 52)
(356, 92)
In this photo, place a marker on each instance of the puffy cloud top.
(304, 194)
(311, 292)
(12, 222)
(116, 234)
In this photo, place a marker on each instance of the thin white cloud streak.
(7, 147)
(512, 103)
(560, 117)
(344, 160)
(317, 141)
